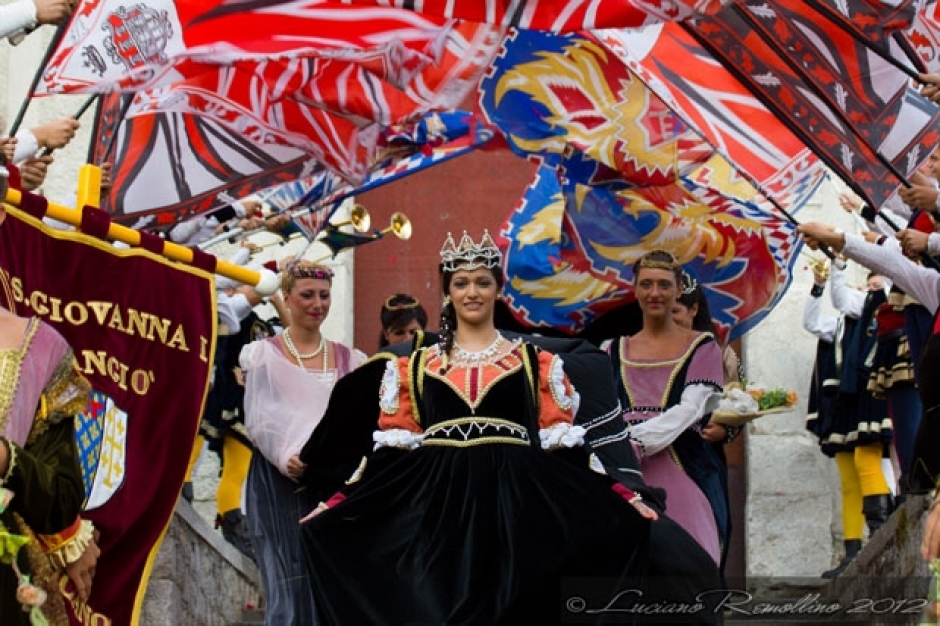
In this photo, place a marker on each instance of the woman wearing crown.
(467, 511)
(670, 380)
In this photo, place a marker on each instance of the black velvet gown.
(477, 525)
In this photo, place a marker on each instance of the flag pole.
(56, 39)
(76, 116)
(265, 281)
(824, 99)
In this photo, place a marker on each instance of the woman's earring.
(446, 301)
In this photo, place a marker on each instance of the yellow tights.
(860, 475)
(853, 521)
(236, 459)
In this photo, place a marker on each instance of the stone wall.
(198, 578)
(887, 583)
(793, 506)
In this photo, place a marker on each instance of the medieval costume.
(283, 403)
(666, 427)
(467, 512)
(39, 528)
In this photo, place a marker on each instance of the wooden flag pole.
(265, 282)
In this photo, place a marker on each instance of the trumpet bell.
(360, 219)
(400, 226)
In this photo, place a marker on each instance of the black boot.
(187, 492)
(235, 531)
(852, 548)
(876, 509)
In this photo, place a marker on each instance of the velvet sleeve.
(47, 480)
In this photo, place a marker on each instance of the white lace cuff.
(397, 438)
(566, 400)
(73, 550)
(388, 393)
(563, 435)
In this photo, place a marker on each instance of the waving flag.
(924, 35)
(169, 166)
(622, 173)
(829, 94)
(569, 250)
(557, 15)
(720, 109)
(333, 110)
(120, 311)
(115, 45)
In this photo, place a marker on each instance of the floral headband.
(320, 272)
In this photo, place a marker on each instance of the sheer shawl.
(283, 403)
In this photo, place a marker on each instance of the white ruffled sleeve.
(388, 392)
(249, 355)
(658, 433)
(567, 398)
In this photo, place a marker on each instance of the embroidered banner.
(142, 331)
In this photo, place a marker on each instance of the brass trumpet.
(336, 240)
(359, 219)
(400, 226)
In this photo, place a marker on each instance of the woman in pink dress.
(670, 380)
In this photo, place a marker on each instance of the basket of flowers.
(742, 403)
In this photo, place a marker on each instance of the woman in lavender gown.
(670, 380)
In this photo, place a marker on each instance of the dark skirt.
(860, 419)
(486, 534)
(274, 505)
(892, 364)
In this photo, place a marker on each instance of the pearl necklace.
(481, 357)
(323, 347)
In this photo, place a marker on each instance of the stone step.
(251, 617)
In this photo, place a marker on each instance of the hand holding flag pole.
(76, 116)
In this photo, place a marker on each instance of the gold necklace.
(324, 348)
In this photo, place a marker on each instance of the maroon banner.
(141, 328)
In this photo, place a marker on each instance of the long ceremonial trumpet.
(265, 282)
(359, 218)
(336, 240)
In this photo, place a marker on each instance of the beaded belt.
(475, 431)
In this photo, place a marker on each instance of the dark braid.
(446, 334)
